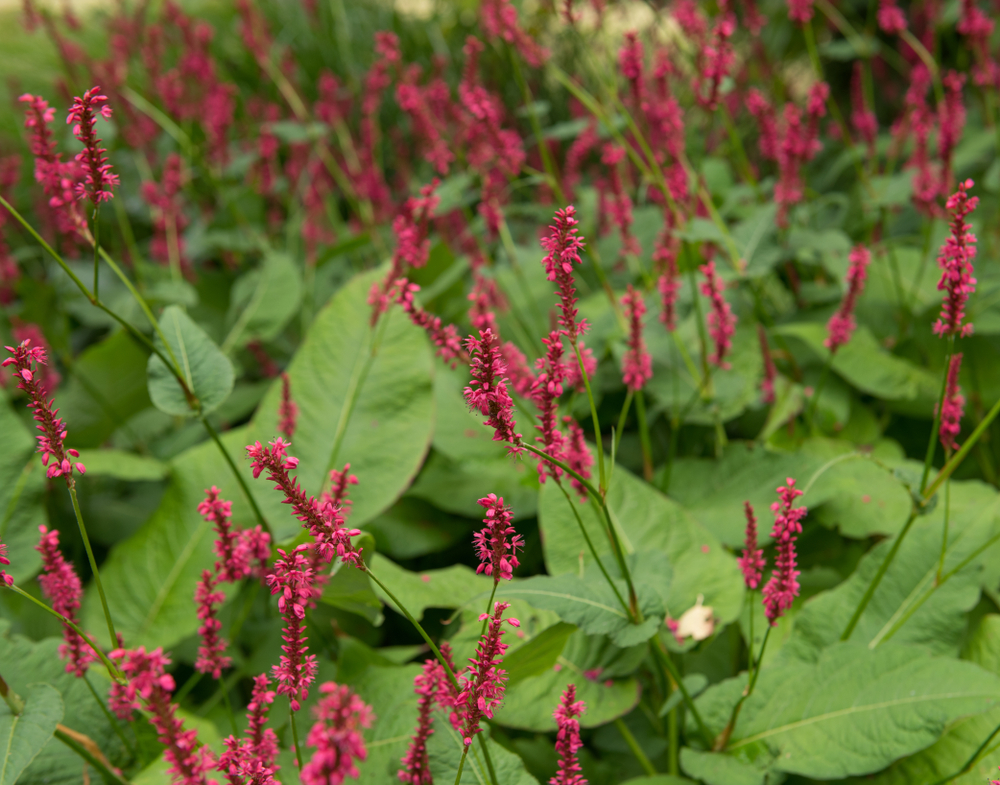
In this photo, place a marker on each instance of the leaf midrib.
(562, 596)
(15, 718)
(854, 710)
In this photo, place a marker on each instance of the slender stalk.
(295, 738)
(489, 608)
(105, 771)
(647, 449)
(633, 745)
(461, 764)
(750, 641)
(597, 423)
(948, 469)
(944, 532)
(71, 484)
(932, 441)
(97, 245)
(666, 663)
(229, 710)
(723, 738)
(112, 720)
(621, 418)
(878, 576)
(673, 742)
(236, 472)
(116, 674)
(972, 761)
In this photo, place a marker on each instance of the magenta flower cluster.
(842, 325)
(497, 543)
(99, 178)
(567, 716)
(955, 261)
(783, 588)
(61, 585)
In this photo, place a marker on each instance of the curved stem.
(944, 532)
(663, 659)
(295, 738)
(723, 738)
(112, 720)
(972, 761)
(958, 457)
(71, 484)
(644, 441)
(597, 423)
(633, 745)
(461, 764)
(932, 442)
(105, 771)
(236, 472)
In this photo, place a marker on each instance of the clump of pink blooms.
(292, 580)
(545, 392)
(842, 325)
(288, 410)
(770, 372)
(955, 260)
(432, 688)
(495, 547)
(5, 579)
(891, 18)
(445, 337)
(637, 365)
(336, 736)
(752, 560)
(562, 252)
(953, 405)
(721, 320)
(251, 759)
(483, 682)
(99, 178)
(61, 585)
(568, 742)
(487, 392)
(55, 456)
(783, 588)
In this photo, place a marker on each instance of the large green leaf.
(263, 301)
(715, 769)
(457, 586)
(22, 736)
(444, 749)
(953, 750)
(26, 662)
(852, 712)
(150, 578)
(389, 691)
(205, 369)
(646, 520)
(456, 485)
(123, 465)
(22, 485)
(539, 654)
(938, 623)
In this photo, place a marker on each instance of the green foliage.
(24, 735)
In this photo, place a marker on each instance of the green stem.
(932, 442)
(948, 469)
(112, 720)
(673, 742)
(295, 738)
(972, 761)
(633, 745)
(663, 659)
(647, 449)
(112, 668)
(878, 576)
(621, 418)
(944, 532)
(489, 608)
(236, 472)
(229, 710)
(108, 775)
(723, 738)
(461, 764)
(71, 484)
(97, 245)
(750, 641)
(187, 687)
(597, 423)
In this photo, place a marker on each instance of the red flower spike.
(51, 441)
(577, 454)
(562, 252)
(337, 495)
(955, 260)
(800, 11)
(841, 325)
(568, 742)
(428, 687)
(5, 579)
(61, 585)
(752, 560)
(487, 392)
(340, 717)
(293, 580)
(770, 372)
(891, 19)
(483, 681)
(783, 588)
(953, 406)
(288, 410)
(445, 337)
(637, 365)
(721, 319)
(99, 178)
(211, 653)
(545, 393)
(495, 547)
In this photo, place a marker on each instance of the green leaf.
(452, 587)
(866, 365)
(150, 578)
(205, 369)
(263, 301)
(351, 590)
(22, 736)
(455, 486)
(852, 712)
(953, 750)
(694, 683)
(389, 691)
(26, 662)
(123, 465)
(646, 520)
(717, 769)
(22, 489)
(444, 749)
(938, 623)
(539, 654)
(412, 528)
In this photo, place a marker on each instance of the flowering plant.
(501, 393)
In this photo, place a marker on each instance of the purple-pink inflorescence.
(444, 336)
(953, 405)
(5, 579)
(99, 177)
(50, 443)
(842, 325)
(497, 543)
(562, 249)
(250, 760)
(955, 260)
(62, 586)
(293, 580)
(721, 319)
(483, 681)
(432, 688)
(770, 372)
(783, 588)
(545, 392)
(637, 365)
(340, 717)
(568, 742)
(487, 392)
(752, 560)
(288, 410)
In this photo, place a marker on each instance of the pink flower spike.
(100, 178)
(337, 496)
(577, 454)
(637, 365)
(783, 588)
(800, 11)
(953, 407)
(752, 560)
(568, 742)
(211, 653)
(955, 260)
(495, 547)
(51, 441)
(770, 372)
(562, 252)
(288, 411)
(293, 581)
(483, 681)
(445, 337)
(721, 319)
(5, 579)
(340, 717)
(891, 18)
(61, 585)
(430, 687)
(487, 392)
(545, 392)
(841, 325)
